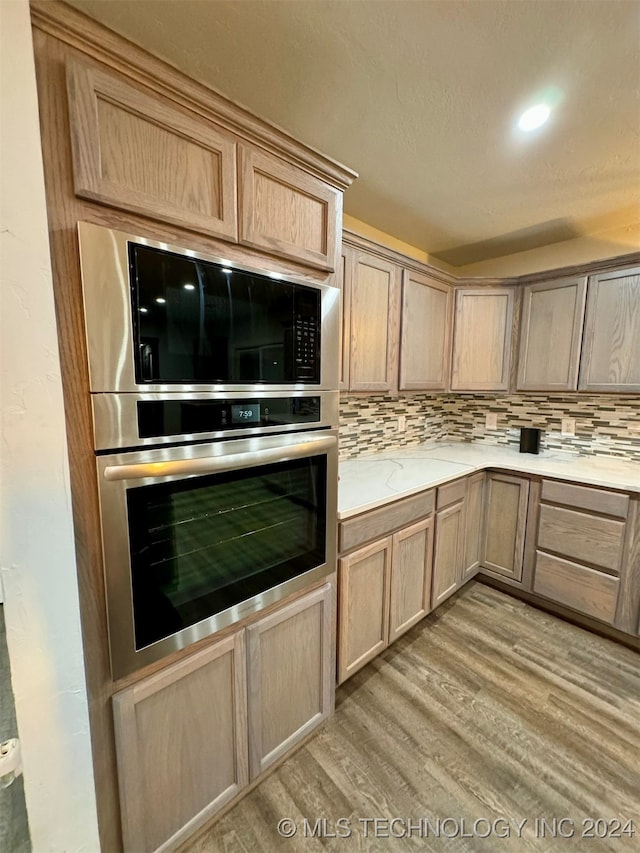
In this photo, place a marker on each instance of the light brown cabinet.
(384, 587)
(473, 525)
(345, 322)
(191, 737)
(449, 552)
(372, 287)
(181, 742)
(482, 332)
(551, 334)
(505, 521)
(611, 347)
(425, 336)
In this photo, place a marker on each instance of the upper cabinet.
(611, 348)
(482, 339)
(551, 334)
(372, 286)
(138, 150)
(425, 337)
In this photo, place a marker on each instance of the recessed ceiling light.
(534, 117)
(143, 310)
(161, 300)
(189, 287)
(227, 269)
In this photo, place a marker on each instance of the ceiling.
(421, 97)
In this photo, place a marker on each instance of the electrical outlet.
(568, 426)
(491, 420)
(402, 423)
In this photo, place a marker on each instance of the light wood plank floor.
(489, 710)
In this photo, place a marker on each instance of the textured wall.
(370, 424)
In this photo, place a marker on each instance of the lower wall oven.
(199, 536)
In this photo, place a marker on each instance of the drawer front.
(372, 525)
(451, 493)
(578, 587)
(582, 537)
(582, 497)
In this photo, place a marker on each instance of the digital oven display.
(249, 413)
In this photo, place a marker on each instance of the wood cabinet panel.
(374, 294)
(287, 211)
(135, 151)
(425, 338)
(506, 500)
(584, 497)
(345, 322)
(181, 745)
(410, 592)
(451, 493)
(581, 536)
(449, 552)
(482, 339)
(291, 658)
(611, 347)
(371, 525)
(551, 335)
(473, 520)
(575, 586)
(363, 590)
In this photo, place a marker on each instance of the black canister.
(530, 440)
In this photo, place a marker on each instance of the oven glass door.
(198, 537)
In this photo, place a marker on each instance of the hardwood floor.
(488, 713)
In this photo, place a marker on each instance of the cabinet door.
(345, 320)
(473, 517)
(425, 339)
(363, 592)
(611, 349)
(291, 675)
(505, 520)
(482, 339)
(550, 335)
(449, 552)
(181, 744)
(410, 596)
(138, 152)
(287, 211)
(374, 292)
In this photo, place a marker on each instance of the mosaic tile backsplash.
(603, 422)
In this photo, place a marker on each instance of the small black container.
(530, 440)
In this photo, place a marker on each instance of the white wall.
(37, 557)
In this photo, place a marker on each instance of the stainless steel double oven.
(215, 404)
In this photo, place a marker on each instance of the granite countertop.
(371, 481)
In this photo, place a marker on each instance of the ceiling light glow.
(534, 117)
(161, 300)
(189, 287)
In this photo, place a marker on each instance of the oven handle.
(215, 464)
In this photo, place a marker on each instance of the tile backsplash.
(603, 422)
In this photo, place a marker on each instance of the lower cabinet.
(505, 523)
(449, 552)
(189, 738)
(473, 525)
(384, 588)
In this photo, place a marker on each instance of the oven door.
(198, 537)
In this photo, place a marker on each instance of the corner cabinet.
(192, 736)
(425, 336)
(551, 335)
(505, 524)
(611, 347)
(482, 332)
(372, 288)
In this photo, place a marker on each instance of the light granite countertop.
(371, 481)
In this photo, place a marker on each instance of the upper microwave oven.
(161, 318)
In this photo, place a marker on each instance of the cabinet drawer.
(582, 497)
(372, 525)
(451, 493)
(578, 587)
(581, 536)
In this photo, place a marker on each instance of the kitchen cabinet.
(138, 151)
(345, 323)
(373, 290)
(425, 336)
(190, 737)
(449, 553)
(580, 548)
(482, 333)
(551, 334)
(505, 521)
(473, 525)
(611, 347)
(384, 586)
(181, 745)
